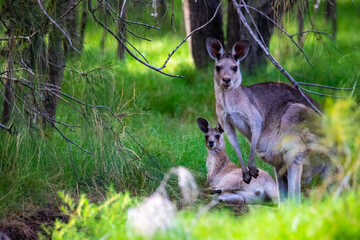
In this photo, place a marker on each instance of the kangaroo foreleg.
(231, 134)
(255, 135)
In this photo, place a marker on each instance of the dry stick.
(279, 27)
(269, 56)
(191, 33)
(58, 26)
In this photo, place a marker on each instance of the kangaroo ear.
(219, 128)
(214, 48)
(240, 50)
(203, 124)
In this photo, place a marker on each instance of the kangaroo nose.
(226, 80)
(211, 143)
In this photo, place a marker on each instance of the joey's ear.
(219, 128)
(214, 48)
(240, 50)
(203, 124)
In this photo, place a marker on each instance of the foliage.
(328, 219)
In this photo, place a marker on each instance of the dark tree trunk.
(8, 101)
(236, 32)
(331, 15)
(196, 14)
(300, 18)
(71, 25)
(121, 29)
(56, 62)
(83, 25)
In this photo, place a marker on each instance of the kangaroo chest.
(235, 113)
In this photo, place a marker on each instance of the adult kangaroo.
(273, 116)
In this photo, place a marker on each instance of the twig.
(115, 116)
(268, 55)
(279, 27)
(191, 33)
(9, 129)
(322, 94)
(329, 87)
(71, 8)
(92, 11)
(58, 26)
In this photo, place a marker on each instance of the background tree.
(197, 13)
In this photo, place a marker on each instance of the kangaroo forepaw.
(216, 191)
(254, 172)
(246, 177)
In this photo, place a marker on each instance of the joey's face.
(227, 73)
(214, 139)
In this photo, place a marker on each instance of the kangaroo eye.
(235, 68)
(217, 137)
(218, 68)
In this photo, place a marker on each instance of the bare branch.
(71, 8)
(92, 11)
(114, 115)
(328, 87)
(268, 55)
(9, 129)
(322, 94)
(191, 33)
(58, 26)
(279, 27)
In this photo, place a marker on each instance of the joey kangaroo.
(224, 177)
(271, 115)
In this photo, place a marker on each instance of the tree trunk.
(8, 101)
(236, 32)
(83, 25)
(56, 63)
(196, 14)
(121, 29)
(331, 15)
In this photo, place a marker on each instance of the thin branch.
(279, 27)
(18, 37)
(114, 115)
(322, 94)
(268, 55)
(71, 8)
(92, 11)
(313, 31)
(191, 33)
(58, 26)
(328, 87)
(9, 129)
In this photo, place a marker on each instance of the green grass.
(159, 112)
(328, 219)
